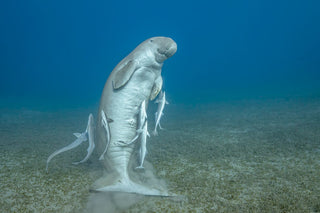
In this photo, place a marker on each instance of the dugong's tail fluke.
(131, 187)
(81, 137)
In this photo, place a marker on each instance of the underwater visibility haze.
(240, 131)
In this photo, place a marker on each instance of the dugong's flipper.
(123, 74)
(81, 137)
(90, 133)
(156, 88)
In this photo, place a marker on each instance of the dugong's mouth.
(166, 51)
(169, 50)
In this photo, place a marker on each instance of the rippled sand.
(258, 156)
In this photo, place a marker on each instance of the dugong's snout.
(170, 50)
(166, 47)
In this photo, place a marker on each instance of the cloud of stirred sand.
(109, 202)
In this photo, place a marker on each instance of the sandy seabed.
(241, 156)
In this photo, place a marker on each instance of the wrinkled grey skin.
(135, 79)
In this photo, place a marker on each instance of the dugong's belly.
(122, 106)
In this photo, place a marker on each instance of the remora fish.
(90, 134)
(105, 122)
(141, 122)
(135, 79)
(142, 131)
(143, 145)
(161, 102)
(81, 137)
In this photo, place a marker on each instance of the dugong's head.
(150, 53)
(162, 47)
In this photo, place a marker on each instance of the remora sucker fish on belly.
(135, 79)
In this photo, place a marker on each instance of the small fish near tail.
(81, 137)
(105, 123)
(90, 133)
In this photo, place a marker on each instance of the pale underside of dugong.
(135, 79)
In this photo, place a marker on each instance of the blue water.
(242, 127)
(63, 51)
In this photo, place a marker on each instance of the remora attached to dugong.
(135, 79)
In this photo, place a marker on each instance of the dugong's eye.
(151, 40)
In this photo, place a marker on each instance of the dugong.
(137, 78)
